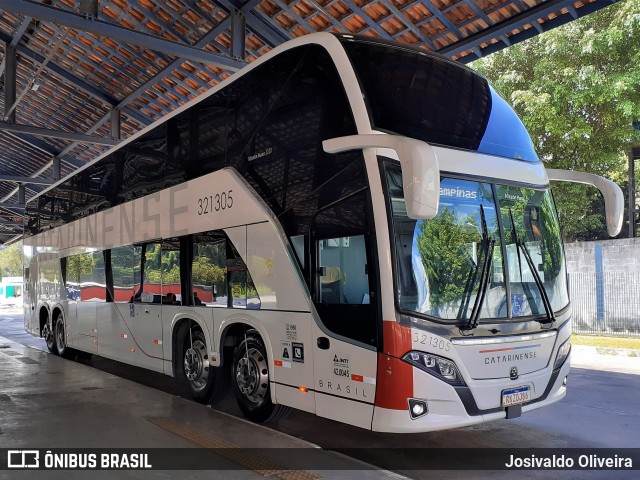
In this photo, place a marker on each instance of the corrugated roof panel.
(88, 73)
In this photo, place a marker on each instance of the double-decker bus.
(351, 227)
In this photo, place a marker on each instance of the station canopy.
(77, 77)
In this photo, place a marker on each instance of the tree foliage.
(11, 261)
(443, 245)
(576, 90)
(79, 265)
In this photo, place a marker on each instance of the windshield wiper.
(484, 274)
(534, 271)
(536, 276)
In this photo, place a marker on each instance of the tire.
(60, 336)
(250, 379)
(50, 339)
(196, 371)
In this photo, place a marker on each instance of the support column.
(599, 283)
(21, 195)
(10, 83)
(633, 156)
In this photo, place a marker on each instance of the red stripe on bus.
(496, 350)
(396, 338)
(394, 383)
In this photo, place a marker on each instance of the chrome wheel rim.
(48, 336)
(196, 365)
(252, 375)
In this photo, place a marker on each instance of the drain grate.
(28, 361)
(11, 353)
(91, 388)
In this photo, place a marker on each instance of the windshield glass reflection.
(442, 263)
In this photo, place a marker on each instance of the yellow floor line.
(254, 462)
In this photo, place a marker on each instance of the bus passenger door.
(146, 326)
(345, 358)
(134, 335)
(147, 331)
(30, 316)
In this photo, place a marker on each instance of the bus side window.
(151, 291)
(170, 290)
(85, 277)
(243, 293)
(298, 243)
(209, 270)
(125, 265)
(342, 284)
(342, 275)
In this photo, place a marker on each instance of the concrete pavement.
(48, 402)
(599, 411)
(606, 359)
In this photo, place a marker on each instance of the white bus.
(351, 227)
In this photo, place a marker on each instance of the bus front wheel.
(251, 381)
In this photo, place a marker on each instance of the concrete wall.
(604, 285)
(621, 255)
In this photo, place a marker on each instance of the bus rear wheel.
(59, 333)
(250, 380)
(197, 371)
(49, 338)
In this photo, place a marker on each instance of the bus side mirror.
(613, 197)
(420, 170)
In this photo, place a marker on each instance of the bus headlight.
(563, 353)
(439, 367)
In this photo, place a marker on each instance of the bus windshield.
(436, 100)
(483, 240)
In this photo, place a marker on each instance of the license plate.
(515, 396)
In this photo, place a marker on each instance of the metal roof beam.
(267, 31)
(409, 24)
(17, 179)
(270, 33)
(249, 5)
(18, 189)
(518, 21)
(16, 39)
(19, 206)
(44, 147)
(12, 240)
(45, 132)
(105, 29)
(365, 16)
(116, 120)
(65, 74)
(205, 40)
(238, 34)
(10, 82)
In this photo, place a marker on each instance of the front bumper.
(478, 402)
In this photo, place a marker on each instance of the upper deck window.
(436, 100)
